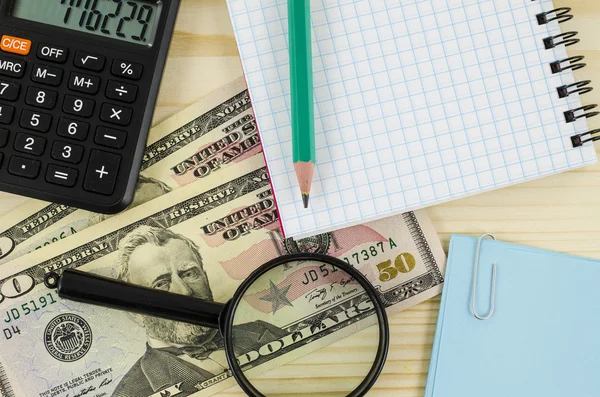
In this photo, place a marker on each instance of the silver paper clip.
(473, 292)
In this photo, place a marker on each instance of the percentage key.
(126, 69)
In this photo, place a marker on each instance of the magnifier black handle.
(89, 288)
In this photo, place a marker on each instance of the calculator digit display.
(133, 21)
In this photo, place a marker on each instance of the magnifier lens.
(303, 306)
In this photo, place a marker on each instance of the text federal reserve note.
(199, 243)
(199, 141)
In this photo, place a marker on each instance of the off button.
(15, 45)
(52, 53)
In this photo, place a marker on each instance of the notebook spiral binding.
(561, 15)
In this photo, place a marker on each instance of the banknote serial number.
(24, 310)
(388, 270)
(370, 252)
(61, 236)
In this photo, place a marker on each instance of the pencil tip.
(305, 197)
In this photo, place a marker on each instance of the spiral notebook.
(540, 340)
(417, 102)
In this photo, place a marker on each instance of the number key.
(9, 90)
(41, 98)
(6, 114)
(67, 152)
(73, 129)
(78, 106)
(31, 144)
(35, 121)
(4, 133)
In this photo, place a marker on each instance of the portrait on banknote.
(176, 352)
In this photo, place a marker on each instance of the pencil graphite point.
(305, 197)
(304, 173)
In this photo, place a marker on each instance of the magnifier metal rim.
(384, 328)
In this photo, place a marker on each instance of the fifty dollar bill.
(199, 141)
(204, 244)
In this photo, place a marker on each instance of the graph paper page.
(416, 103)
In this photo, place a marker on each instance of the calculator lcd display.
(133, 21)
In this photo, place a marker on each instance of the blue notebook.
(543, 338)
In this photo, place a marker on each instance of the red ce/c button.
(16, 45)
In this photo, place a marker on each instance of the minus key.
(110, 137)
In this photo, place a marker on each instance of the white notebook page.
(417, 102)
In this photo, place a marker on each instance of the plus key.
(102, 172)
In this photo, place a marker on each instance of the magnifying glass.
(288, 303)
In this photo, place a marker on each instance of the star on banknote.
(277, 297)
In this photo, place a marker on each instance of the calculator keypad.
(65, 117)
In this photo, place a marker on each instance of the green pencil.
(301, 89)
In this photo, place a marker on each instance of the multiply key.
(115, 114)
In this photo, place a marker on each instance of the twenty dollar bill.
(198, 243)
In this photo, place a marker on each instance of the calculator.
(78, 85)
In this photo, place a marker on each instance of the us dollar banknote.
(201, 140)
(204, 243)
(10, 202)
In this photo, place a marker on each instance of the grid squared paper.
(417, 102)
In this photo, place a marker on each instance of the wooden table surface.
(560, 212)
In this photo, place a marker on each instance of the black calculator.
(78, 85)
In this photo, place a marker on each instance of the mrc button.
(11, 67)
(16, 45)
(52, 53)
